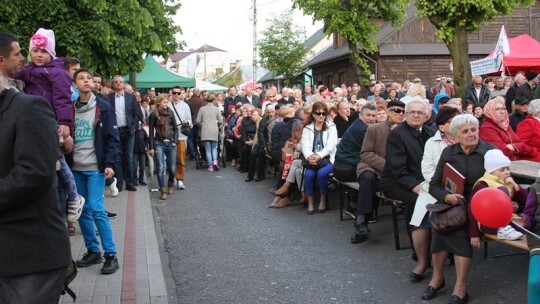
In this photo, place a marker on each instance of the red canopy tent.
(524, 55)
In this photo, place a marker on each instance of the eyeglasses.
(419, 113)
(397, 111)
(320, 113)
(177, 93)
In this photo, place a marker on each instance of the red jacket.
(491, 133)
(528, 131)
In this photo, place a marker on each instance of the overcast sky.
(228, 24)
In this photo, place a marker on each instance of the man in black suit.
(286, 97)
(128, 115)
(402, 175)
(34, 242)
(251, 98)
(232, 99)
(476, 93)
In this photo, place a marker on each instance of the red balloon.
(492, 207)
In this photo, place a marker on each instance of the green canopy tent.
(155, 76)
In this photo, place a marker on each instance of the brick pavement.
(140, 278)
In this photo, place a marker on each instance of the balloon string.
(529, 232)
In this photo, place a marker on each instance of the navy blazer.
(133, 110)
(33, 234)
(255, 101)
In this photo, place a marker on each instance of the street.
(224, 245)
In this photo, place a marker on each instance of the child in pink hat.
(47, 77)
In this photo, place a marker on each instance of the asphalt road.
(224, 245)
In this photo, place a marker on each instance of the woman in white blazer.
(319, 140)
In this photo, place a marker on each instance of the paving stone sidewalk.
(140, 278)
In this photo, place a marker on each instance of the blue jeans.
(165, 152)
(192, 140)
(124, 169)
(321, 175)
(211, 151)
(139, 162)
(91, 186)
(67, 180)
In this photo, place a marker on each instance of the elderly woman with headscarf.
(496, 130)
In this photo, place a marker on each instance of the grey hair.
(368, 106)
(417, 101)
(461, 120)
(534, 107)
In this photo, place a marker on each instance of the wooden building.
(413, 50)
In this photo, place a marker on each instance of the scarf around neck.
(162, 126)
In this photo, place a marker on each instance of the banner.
(495, 62)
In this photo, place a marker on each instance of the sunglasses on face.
(177, 93)
(320, 113)
(397, 111)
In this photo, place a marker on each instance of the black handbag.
(321, 163)
(447, 218)
(184, 128)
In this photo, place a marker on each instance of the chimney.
(232, 66)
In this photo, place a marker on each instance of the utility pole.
(204, 50)
(254, 42)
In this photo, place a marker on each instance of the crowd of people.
(392, 138)
(396, 141)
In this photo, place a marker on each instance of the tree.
(354, 21)
(455, 19)
(233, 78)
(282, 50)
(109, 37)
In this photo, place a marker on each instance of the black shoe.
(216, 167)
(111, 265)
(358, 238)
(90, 258)
(247, 180)
(454, 299)
(131, 187)
(259, 179)
(135, 184)
(430, 292)
(111, 215)
(143, 183)
(415, 277)
(119, 188)
(362, 229)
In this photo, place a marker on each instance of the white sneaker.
(113, 190)
(508, 233)
(180, 185)
(75, 209)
